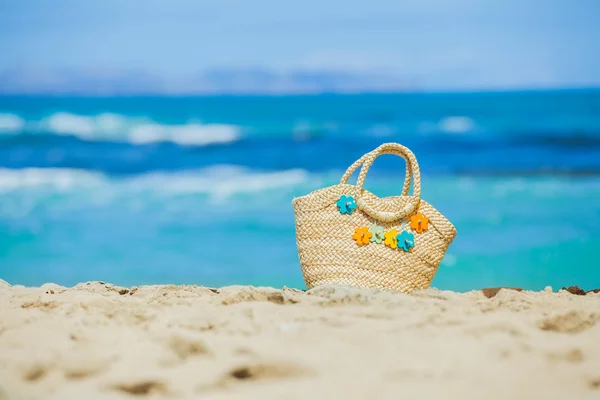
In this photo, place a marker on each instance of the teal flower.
(406, 240)
(346, 204)
(377, 232)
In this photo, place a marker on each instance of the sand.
(98, 341)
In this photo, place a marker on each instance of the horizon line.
(308, 93)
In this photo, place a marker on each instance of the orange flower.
(419, 223)
(362, 235)
(390, 239)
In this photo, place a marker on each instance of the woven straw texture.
(329, 255)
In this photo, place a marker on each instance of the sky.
(179, 45)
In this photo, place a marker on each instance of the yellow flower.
(362, 235)
(390, 239)
(419, 223)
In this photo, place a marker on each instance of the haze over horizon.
(228, 46)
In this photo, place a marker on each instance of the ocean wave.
(381, 130)
(54, 178)
(456, 124)
(116, 127)
(219, 182)
(188, 134)
(11, 123)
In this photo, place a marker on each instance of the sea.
(198, 190)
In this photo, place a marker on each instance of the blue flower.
(346, 204)
(406, 240)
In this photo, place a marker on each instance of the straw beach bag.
(347, 235)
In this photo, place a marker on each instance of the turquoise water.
(198, 190)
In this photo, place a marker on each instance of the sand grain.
(97, 340)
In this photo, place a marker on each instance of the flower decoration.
(362, 235)
(406, 240)
(391, 239)
(419, 223)
(346, 204)
(377, 232)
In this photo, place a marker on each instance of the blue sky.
(430, 44)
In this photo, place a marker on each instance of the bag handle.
(412, 166)
(360, 161)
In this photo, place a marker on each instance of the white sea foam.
(115, 127)
(221, 182)
(218, 182)
(53, 178)
(456, 124)
(10, 123)
(69, 124)
(188, 134)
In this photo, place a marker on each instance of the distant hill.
(234, 81)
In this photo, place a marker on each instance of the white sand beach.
(98, 341)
